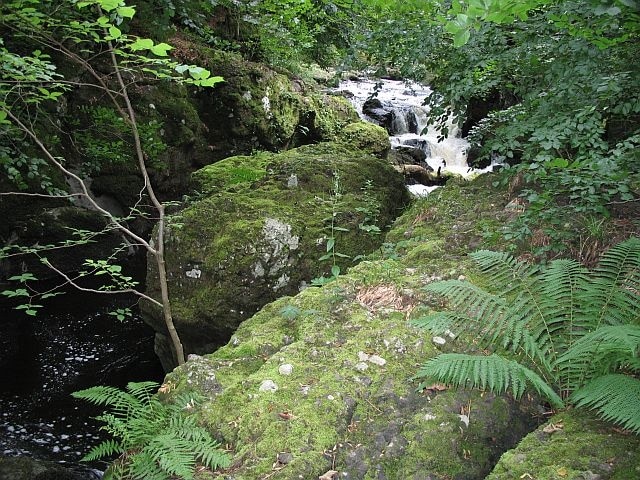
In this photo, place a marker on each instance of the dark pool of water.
(73, 344)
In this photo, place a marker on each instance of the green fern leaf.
(174, 455)
(143, 390)
(143, 466)
(439, 322)
(614, 397)
(106, 449)
(493, 372)
(505, 272)
(613, 298)
(566, 327)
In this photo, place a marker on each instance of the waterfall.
(398, 106)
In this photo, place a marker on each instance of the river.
(73, 344)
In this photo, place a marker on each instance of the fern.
(155, 440)
(615, 397)
(493, 373)
(572, 333)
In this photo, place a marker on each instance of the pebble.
(285, 369)
(375, 359)
(439, 340)
(361, 366)
(268, 386)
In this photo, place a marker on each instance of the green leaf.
(126, 12)
(23, 278)
(141, 44)
(331, 242)
(108, 5)
(161, 49)
(461, 38)
(114, 32)
(335, 270)
(210, 82)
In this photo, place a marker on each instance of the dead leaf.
(380, 297)
(563, 472)
(436, 387)
(166, 387)
(526, 475)
(330, 475)
(286, 415)
(553, 428)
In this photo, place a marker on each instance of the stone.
(373, 426)
(266, 239)
(268, 386)
(285, 369)
(284, 458)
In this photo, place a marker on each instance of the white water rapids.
(406, 117)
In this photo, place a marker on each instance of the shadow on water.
(72, 344)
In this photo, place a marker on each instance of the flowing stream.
(398, 107)
(73, 344)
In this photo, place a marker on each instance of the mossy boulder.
(321, 383)
(259, 108)
(260, 230)
(572, 446)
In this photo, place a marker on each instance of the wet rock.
(26, 468)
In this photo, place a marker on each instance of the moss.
(261, 108)
(261, 230)
(366, 137)
(578, 447)
(338, 409)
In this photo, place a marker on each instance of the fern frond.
(174, 455)
(614, 397)
(614, 296)
(503, 271)
(106, 449)
(603, 351)
(480, 312)
(101, 395)
(493, 372)
(205, 447)
(439, 322)
(143, 390)
(142, 466)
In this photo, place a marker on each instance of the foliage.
(550, 88)
(569, 333)
(91, 42)
(155, 440)
(333, 228)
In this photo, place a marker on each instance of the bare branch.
(83, 186)
(74, 284)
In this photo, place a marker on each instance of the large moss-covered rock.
(572, 446)
(259, 108)
(321, 383)
(260, 232)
